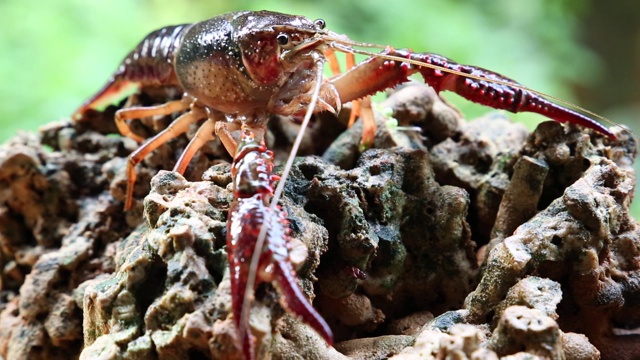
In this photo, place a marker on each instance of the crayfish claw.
(295, 302)
(238, 286)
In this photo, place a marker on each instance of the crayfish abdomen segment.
(150, 64)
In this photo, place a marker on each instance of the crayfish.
(237, 69)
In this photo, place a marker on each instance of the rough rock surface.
(520, 245)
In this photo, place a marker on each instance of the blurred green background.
(54, 55)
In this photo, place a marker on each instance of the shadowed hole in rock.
(609, 181)
(147, 291)
(309, 171)
(195, 354)
(41, 317)
(627, 322)
(215, 259)
(490, 315)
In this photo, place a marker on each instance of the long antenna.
(253, 267)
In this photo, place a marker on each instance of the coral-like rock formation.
(465, 240)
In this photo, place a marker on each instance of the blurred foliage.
(56, 54)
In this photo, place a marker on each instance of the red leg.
(140, 112)
(334, 65)
(223, 131)
(377, 74)
(177, 127)
(359, 108)
(204, 134)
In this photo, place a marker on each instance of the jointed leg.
(368, 122)
(140, 112)
(333, 62)
(177, 127)
(223, 130)
(362, 108)
(205, 133)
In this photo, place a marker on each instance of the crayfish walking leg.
(253, 190)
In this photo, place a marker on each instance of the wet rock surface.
(467, 240)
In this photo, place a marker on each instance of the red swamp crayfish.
(236, 70)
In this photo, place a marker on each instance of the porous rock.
(390, 237)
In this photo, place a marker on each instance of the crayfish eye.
(282, 39)
(320, 23)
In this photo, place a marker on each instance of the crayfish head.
(273, 44)
(242, 62)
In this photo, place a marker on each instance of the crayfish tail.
(149, 64)
(111, 93)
